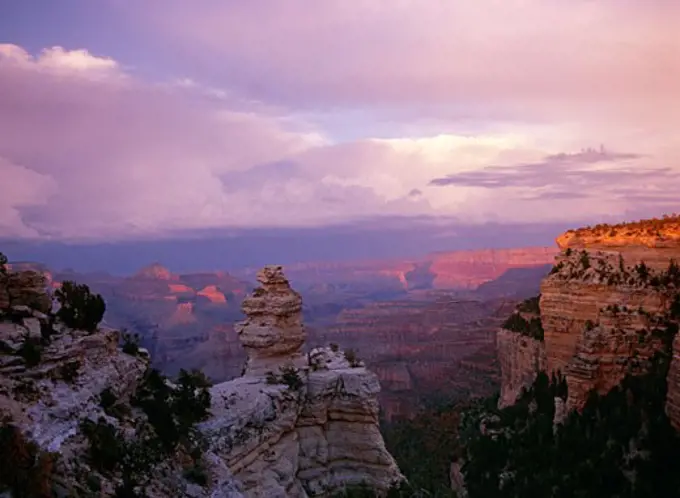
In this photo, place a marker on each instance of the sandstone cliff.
(521, 358)
(608, 307)
(294, 425)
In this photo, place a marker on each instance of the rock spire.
(273, 333)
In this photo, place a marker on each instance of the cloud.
(94, 151)
(565, 170)
(487, 59)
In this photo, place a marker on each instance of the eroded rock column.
(273, 333)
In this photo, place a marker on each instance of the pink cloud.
(93, 151)
(563, 60)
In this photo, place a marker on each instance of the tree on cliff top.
(79, 308)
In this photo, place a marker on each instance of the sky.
(127, 121)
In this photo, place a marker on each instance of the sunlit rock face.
(607, 308)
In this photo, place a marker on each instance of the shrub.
(291, 377)
(584, 259)
(557, 268)
(334, 347)
(531, 328)
(197, 474)
(106, 448)
(130, 343)
(3, 264)
(107, 399)
(352, 359)
(530, 305)
(31, 351)
(79, 308)
(191, 402)
(24, 469)
(642, 271)
(271, 378)
(594, 452)
(69, 371)
(173, 412)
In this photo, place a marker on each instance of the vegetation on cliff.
(168, 427)
(602, 268)
(651, 226)
(79, 308)
(620, 445)
(531, 328)
(425, 446)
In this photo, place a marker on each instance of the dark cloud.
(569, 172)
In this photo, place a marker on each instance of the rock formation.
(24, 288)
(296, 425)
(608, 307)
(273, 331)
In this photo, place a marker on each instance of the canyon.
(427, 327)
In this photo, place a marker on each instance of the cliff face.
(520, 358)
(607, 308)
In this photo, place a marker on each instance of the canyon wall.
(608, 307)
(441, 270)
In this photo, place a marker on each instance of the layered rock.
(273, 331)
(608, 307)
(296, 425)
(441, 270)
(602, 320)
(521, 358)
(24, 288)
(431, 343)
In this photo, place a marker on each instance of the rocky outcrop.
(609, 305)
(296, 425)
(521, 358)
(52, 378)
(24, 288)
